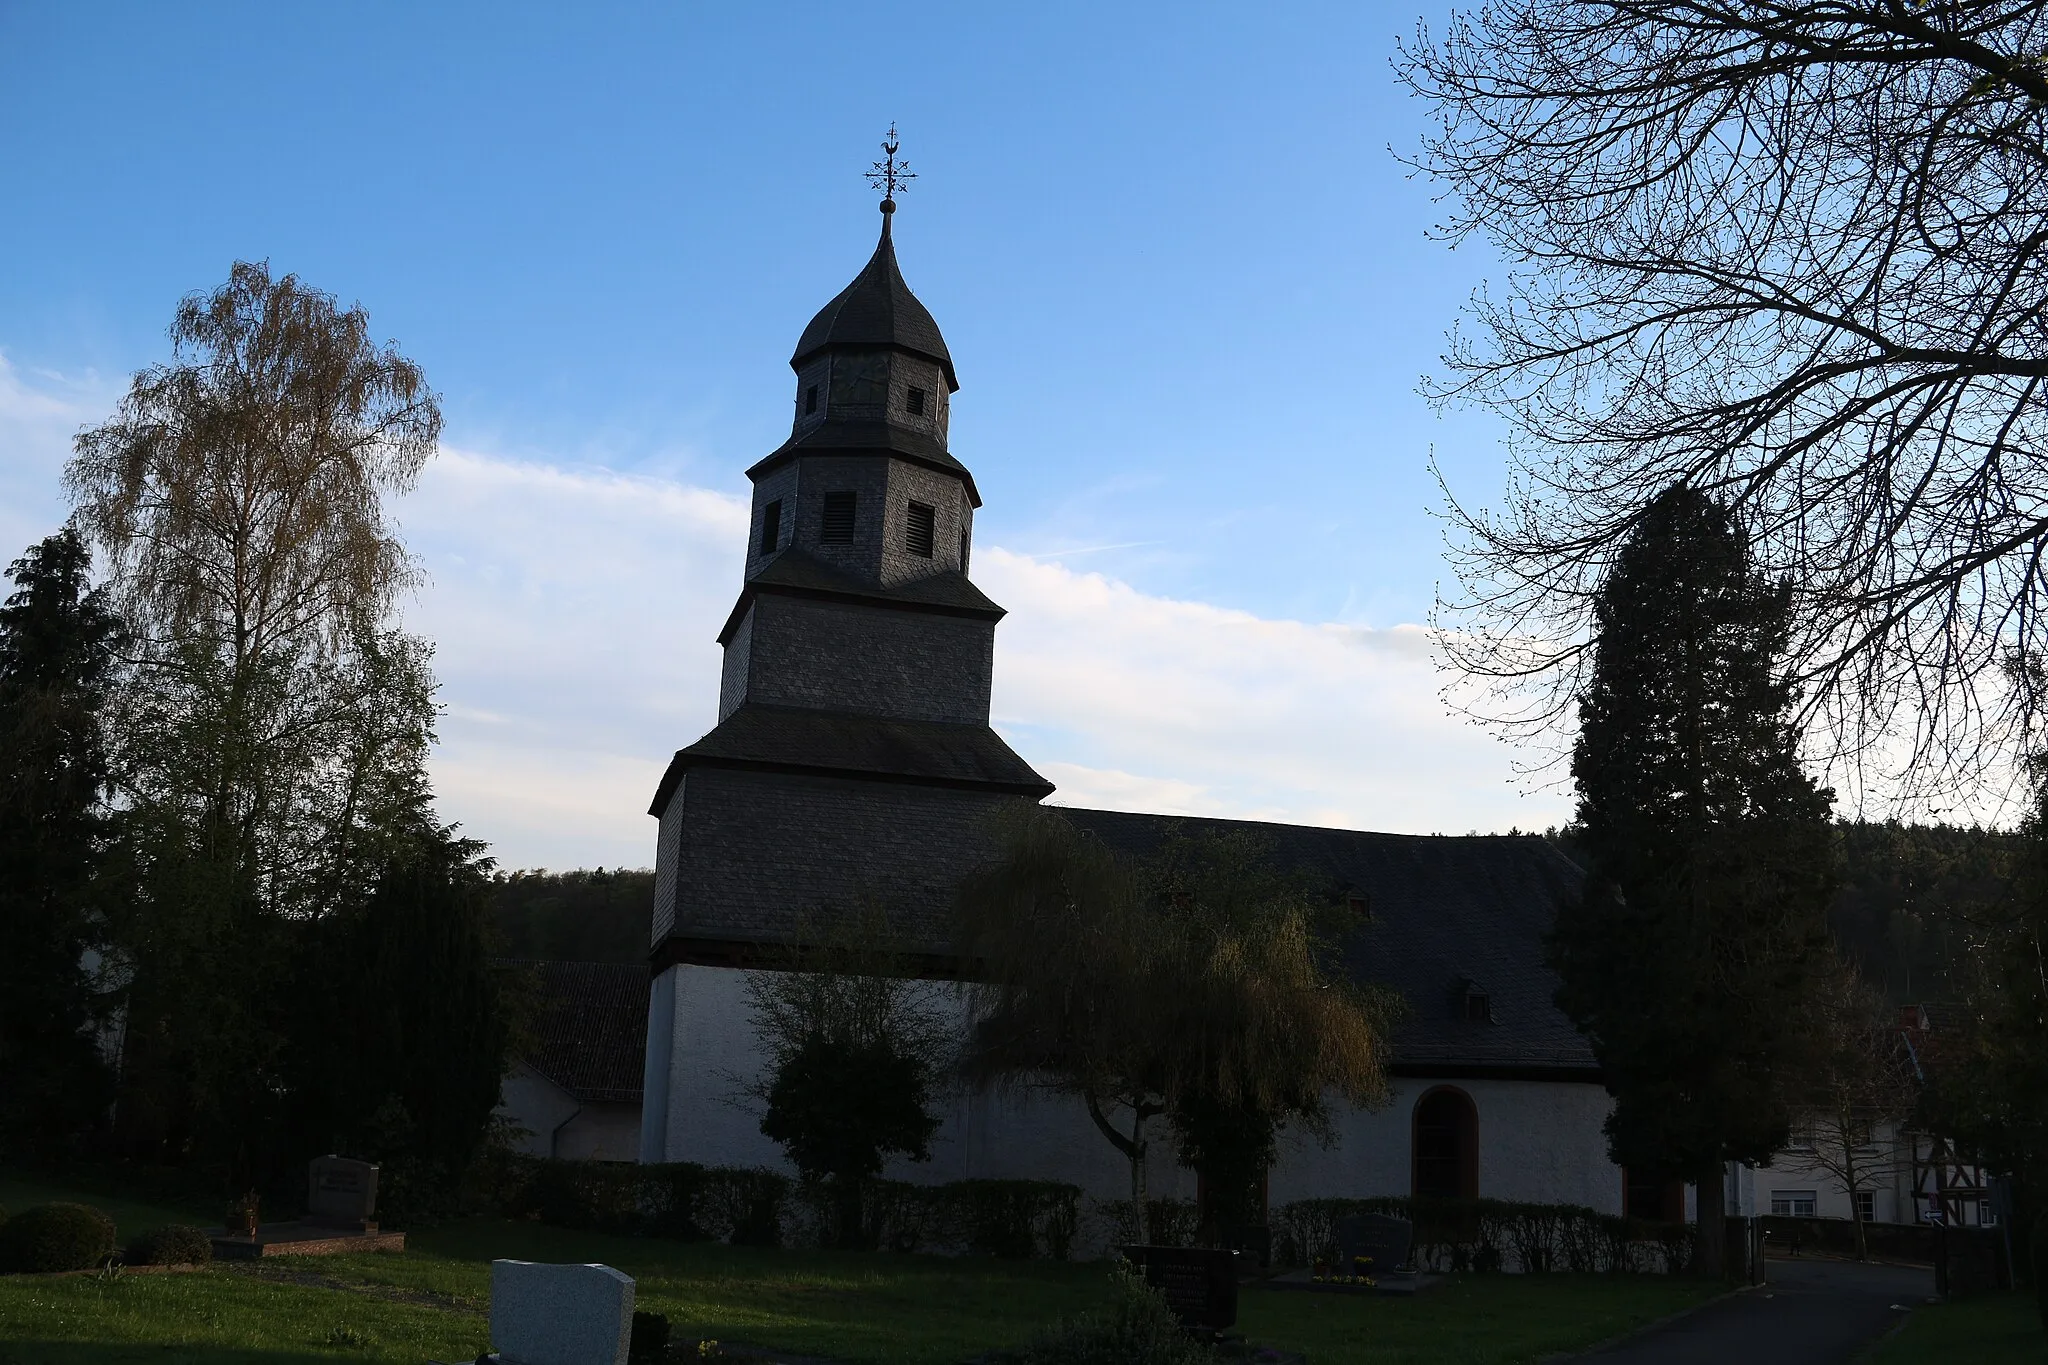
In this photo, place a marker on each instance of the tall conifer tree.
(1711, 856)
(57, 640)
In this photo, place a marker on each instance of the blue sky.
(1186, 283)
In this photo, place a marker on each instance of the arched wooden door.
(1446, 1145)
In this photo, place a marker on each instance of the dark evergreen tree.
(57, 657)
(1711, 857)
(402, 1037)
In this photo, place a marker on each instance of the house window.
(1802, 1137)
(1866, 1205)
(1446, 1145)
(810, 400)
(771, 527)
(837, 525)
(1792, 1203)
(914, 401)
(922, 529)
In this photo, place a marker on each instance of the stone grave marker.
(1199, 1283)
(1381, 1241)
(560, 1314)
(341, 1193)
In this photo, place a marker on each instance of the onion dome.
(877, 310)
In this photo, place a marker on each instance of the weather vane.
(890, 175)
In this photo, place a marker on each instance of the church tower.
(853, 757)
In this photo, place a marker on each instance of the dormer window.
(914, 402)
(810, 399)
(771, 527)
(836, 526)
(921, 530)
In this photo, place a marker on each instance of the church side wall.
(1538, 1140)
(758, 850)
(842, 657)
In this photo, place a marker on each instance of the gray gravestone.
(1198, 1283)
(560, 1314)
(1376, 1237)
(341, 1193)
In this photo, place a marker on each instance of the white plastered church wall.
(1539, 1141)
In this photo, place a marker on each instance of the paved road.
(1810, 1313)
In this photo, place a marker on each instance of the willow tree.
(1794, 255)
(237, 501)
(1196, 983)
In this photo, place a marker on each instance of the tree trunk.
(1711, 1201)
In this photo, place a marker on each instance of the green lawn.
(1997, 1329)
(869, 1309)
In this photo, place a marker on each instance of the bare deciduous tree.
(1790, 252)
(1863, 1087)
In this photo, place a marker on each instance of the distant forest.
(581, 916)
(1909, 896)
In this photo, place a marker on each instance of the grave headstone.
(341, 1193)
(1373, 1244)
(560, 1314)
(1199, 1283)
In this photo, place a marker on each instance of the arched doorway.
(1446, 1145)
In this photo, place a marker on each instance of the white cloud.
(40, 410)
(1145, 703)
(575, 610)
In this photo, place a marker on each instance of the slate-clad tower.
(853, 754)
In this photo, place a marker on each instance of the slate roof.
(590, 1028)
(800, 574)
(877, 309)
(1444, 911)
(841, 743)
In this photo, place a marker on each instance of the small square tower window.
(914, 401)
(771, 526)
(810, 400)
(1478, 1007)
(963, 552)
(1358, 903)
(836, 527)
(921, 530)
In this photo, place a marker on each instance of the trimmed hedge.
(1492, 1234)
(54, 1237)
(173, 1244)
(1009, 1218)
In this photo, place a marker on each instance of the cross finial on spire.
(890, 175)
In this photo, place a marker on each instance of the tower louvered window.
(837, 526)
(914, 400)
(921, 531)
(771, 526)
(810, 400)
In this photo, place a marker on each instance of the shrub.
(1136, 1329)
(55, 1237)
(175, 1244)
(1490, 1234)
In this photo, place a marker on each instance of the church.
(853, 758)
